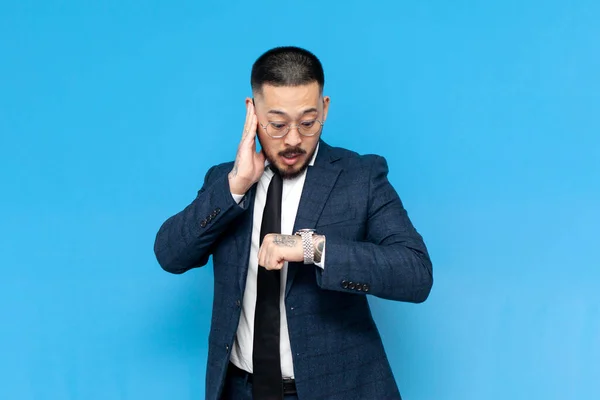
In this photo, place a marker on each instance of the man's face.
(297, 107)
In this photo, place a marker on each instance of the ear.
(249, 100)
(326, 101)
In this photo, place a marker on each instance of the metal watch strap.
(307, 245)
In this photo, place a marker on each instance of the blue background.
(488, 113)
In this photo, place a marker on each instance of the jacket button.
(227, 348)
(365, 288)
(352, 285)
(203, 223)
(359, 287)
(238, 303)
(214, 214)
(218, 210)
(345, 284)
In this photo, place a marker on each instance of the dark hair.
(286, 66)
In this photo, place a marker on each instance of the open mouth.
(291, 158)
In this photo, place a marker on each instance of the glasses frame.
(297, 126)
(290, 127)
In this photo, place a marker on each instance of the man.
(301, 233)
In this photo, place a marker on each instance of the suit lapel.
(320, 179)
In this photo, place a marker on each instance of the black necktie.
(267, 380)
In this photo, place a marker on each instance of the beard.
(289, 171)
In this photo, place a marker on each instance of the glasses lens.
(277, 129)
(309, 128)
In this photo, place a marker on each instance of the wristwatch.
(307, 245)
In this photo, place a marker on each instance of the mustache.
(292, 151)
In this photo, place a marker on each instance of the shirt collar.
(312, 160)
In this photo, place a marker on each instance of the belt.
(289, 384)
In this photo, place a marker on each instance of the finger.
(249, 113)
(252, 128)
(270, 258)
(265, 254)
(267, 264)
(265, 261)
(261, 256)
(261, 253)
(275, 259)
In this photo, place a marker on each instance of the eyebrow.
(279, 112)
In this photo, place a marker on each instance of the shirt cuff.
(322, 263)
(237, 197)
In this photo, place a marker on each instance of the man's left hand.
(276, 249)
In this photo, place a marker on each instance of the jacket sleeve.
(185, 240)
(392, 262)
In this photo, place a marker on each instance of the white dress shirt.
(241, 353)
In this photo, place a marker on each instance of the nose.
(293, 137)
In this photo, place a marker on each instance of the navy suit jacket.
(372, 249)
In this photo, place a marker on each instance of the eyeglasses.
(278, 130)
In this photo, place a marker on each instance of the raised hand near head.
(249, 164)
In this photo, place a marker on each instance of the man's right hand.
(249, 164)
